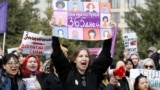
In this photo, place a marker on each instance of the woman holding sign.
(78, 74)
(9, 74)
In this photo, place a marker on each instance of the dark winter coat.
(52, 82)
(71, 78)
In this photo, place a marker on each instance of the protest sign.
(30, 83)
(10, 50)
(83, 20)
(36, 44)
(152, 76)
(130, 42)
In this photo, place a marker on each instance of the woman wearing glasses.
(9, 74)
(148, 64)
(78, 74)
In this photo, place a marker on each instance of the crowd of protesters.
(76, 73)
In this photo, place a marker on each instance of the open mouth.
(83, 63)
(14, 69)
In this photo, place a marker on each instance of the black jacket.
(111, 87)
(51, 82)
(68, 74)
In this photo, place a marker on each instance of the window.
(116, 17)
(130, 3)
(115, 3)
(143, 1)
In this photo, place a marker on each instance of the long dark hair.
(7, 58)
(136, 87)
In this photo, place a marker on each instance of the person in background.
(155, 57)
(123, 55)
(135, 58)
(141, 83)
(158, 65)
(31, 69)
(78, 74)
(9, 74)
(151, 50)
(121, 83)
(52, 81)
(147, 64)
(129, 65)
(105, 81)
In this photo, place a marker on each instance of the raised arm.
(60, 61)
(104, 60)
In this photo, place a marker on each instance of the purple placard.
(83, 20)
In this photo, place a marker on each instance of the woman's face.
(12, 67)
(32, 64)
(148, 65)
(129, 66)
(135, 59)
(120, 63)
(90, 6)
(92, 35)
(60, 6)
(105, 19)
(21, 59)
(126, 53)
(82, 61)
(143, 84)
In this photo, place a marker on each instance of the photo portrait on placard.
(75, 6)
(91, 34)
(91, 7)
(60, 5)
(105, 8)
(75, 33)
(105, 20)
(61, 32)
(106, 33)
(60, 18)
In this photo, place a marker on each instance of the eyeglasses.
(148, 66)
(83, 81)
(12, 64)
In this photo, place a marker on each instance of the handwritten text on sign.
(36, 44)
